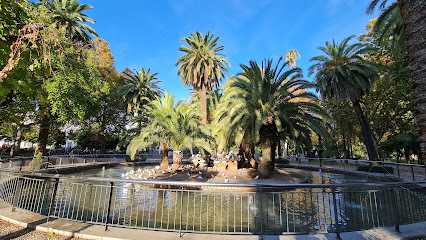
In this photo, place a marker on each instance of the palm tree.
(291, 56)
(389, 24)
(261, 102)
(69, 14)
(343, 73)
(202, 66)
(413, 13)
(174, 126)
(140, 88)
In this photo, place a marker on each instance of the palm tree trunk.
(43, 133)
(177, 160)
(204, 102)
(242, 161)
(164, 156)
(249, 153)
(369, 143)
(266, 162)
(413, 13)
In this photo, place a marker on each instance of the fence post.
(181, 210)
(412, 172)
(261, 214)
(320, 160)
(109, 206)
(17, 194)
(396, 211)
(55, 190)
(397, 167)
(336, 217)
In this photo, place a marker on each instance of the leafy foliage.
(176, 125)
(68, 14)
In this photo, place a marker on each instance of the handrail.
(211, 184)
(364, 160)
(125, 155)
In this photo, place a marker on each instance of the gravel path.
(12, 231)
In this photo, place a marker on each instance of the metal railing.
(404, 171)
(23, 163)
(225, 208)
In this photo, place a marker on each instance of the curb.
(55, 231)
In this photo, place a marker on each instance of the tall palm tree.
(291, 56)
(140, 88)
(413, 13)
(389, 24)
(173, 126)
(342, 72)
(69, 14)
(260, 102)
(202, 66)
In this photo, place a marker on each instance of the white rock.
(188, 174)
(175, 173)
(226, 180)
(200, 172)
(199, 177)
(171, 175)
(223, 174)
(257, 177)
(235, 176)
(212, 176)
(157, 167)
(139, 170)
(144, 178)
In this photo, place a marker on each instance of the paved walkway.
(90, 231)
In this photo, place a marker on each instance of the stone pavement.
(91, 231)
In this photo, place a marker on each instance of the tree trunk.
(242, 160)
(273, 151)
(413, 13)
(43, 133)
(204, 100)
(164, 156)
(249, 153)
(18, 139)
(177, 160)
(345, 147)
(280, 149)
(368, 140)
(407, 155)
(266, 162)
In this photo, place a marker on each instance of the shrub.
(138, 158)
(282, 160)
(377, 169)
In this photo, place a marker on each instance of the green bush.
(377, 169)
(138, 158)
(282, 161)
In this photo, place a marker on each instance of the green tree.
(343, 73)
(413, 14)
(139, 89)
(173, 126)
(69, 15)
(291, 56)
(265, 100)
(202, 66)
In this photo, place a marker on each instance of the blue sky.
(148, 33)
